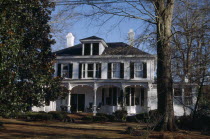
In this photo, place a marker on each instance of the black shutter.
(99, 70)
(144, 70)
(122, 70)
(80, 70)
(59, 70)
(131, 70)
(70, 70)
(109, 70)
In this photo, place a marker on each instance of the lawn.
(22, 129)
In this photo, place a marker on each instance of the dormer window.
(87, 49)
(95, 49)
(91, 49)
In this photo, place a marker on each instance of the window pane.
(98, 70)
(95, 48)
(90, 70)
(87, 49)
(177, 92)
(188, 91)
(138, 70)
(116, 70)
(65, 71)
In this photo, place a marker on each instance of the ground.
(21, 129)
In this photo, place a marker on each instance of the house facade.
(104, 77)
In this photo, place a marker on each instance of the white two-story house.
(105, 77)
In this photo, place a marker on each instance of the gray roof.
(92, 38)
(114, 48)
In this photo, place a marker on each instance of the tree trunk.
(164, 12)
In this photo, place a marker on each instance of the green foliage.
(26, 60)
(121, 115)
(58, 115)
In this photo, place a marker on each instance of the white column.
(91, 49)
(69, 102)
(94, 101)
(124, 101)
(83, 46)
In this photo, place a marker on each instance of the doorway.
(77, 102)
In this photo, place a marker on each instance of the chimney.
(131, 36)
(70, 40)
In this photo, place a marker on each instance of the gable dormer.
(93, 46)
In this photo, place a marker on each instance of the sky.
(113, 30)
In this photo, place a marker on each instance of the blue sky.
(111, 31)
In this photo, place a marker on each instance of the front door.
(77, 102)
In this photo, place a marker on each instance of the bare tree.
(158, 13)
(191, 53)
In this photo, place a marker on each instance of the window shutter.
(144, 70)
(80, 70)
(131, 70)
(122, 70)
(109, 70)
(59, 70)
(99, 70)
(70, 70)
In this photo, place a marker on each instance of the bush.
(121, 115)
(56, 115)
(87, 118)
(37, 116)
(131, 119)
(100, 119)
(111, 118)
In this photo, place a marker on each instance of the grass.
(56, 130)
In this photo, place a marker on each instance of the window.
(177, 92)
(138, 68)
(65, 71)
(188, 95)
(178, 95)
(116, 70)
(90, 71)
(98, 70)
(87, 48)
(95, 48)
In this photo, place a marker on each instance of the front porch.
(105, 98)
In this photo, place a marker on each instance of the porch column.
(94, 101)
(69, 102)
(123, 93)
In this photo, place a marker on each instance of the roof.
(92, 38)
(115, 48)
